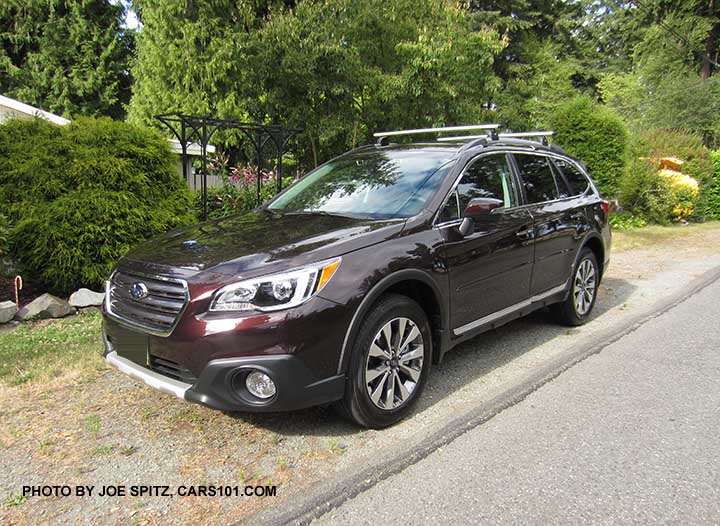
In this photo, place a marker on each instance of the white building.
(14, 109)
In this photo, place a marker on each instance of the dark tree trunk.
(711, 44)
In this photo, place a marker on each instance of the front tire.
(578, 306)
(389, 363)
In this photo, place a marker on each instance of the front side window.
(450, 211)
(372, 183)
(490, 177)
(577, 180)
(537, 178)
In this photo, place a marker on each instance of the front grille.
(157, 312)
(172, 369)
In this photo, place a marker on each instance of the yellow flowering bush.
(684, 190)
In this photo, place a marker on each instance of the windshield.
(372, 183)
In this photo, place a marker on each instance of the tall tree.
(343, 69)
(340, 69)
(543, 63)
(71, 57)
(673, 81)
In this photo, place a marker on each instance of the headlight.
(277, 291)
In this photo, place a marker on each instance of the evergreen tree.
(68, 57)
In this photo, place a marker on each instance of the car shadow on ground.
(466, 363)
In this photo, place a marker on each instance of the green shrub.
(646, 193)
(82, 195)
(689, 148)
(596, 136)
(4, 234)
(712, 204)
(626, 221)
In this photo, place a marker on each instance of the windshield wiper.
(320, 213)
(270, 211)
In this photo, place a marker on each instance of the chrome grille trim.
(158, 313)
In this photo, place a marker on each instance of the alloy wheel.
(584, 287)
(394, 363)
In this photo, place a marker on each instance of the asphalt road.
(629, 435)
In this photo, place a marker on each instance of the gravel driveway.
(106, 429)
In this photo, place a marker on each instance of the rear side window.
(537, 178)
(577, 180)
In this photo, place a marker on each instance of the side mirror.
(476, 209)
(482, 206)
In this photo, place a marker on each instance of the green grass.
(103, 450)
(40, 350)
(15, 500)
(655, 234)
(91, 423)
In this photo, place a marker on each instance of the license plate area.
(132, 345)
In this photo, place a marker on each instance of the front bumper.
(221, 384)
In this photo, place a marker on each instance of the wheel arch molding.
(398, 282)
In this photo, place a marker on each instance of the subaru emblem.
(138, 291)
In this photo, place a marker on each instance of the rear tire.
(578, 306)
(389, 363)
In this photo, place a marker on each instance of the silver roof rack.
(520, 135)
(539, 136)
(437, 130)
(462, 138)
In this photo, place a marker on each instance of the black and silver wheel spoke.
(394, 363)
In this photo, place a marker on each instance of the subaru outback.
(351, 283)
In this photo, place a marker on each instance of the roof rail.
(502, 135)
(543, 135)
(437, 130)
(462, 138)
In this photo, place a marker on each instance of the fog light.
(261, 385)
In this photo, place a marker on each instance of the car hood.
(258, 242)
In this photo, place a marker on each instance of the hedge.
(82, 195)
(596, 136)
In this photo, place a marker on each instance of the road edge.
(330, 494)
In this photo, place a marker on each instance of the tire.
(580, 301)
(399, 369)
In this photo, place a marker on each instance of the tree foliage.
(68, 57)
(340, 69)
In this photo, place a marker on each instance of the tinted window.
(564, 190)
(373, 183)
(578, 182)
(450, 211)
(488, 176)
(537, 177)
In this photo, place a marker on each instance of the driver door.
(490, 267)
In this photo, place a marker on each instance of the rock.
(86, 298)
(46, 306)
(7, 311)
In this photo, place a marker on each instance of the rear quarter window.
(573, 175)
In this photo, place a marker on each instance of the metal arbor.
(199, 129)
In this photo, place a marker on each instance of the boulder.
(7, 311)
(46, 306)
(86, 298)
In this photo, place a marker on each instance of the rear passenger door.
(556, 220)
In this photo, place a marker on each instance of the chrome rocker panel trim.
(509, 310)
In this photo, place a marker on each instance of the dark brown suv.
(348, 285)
